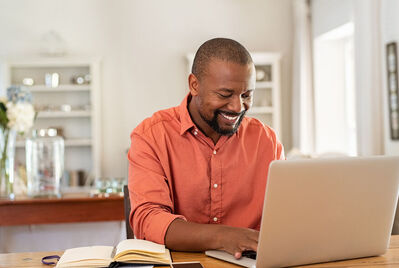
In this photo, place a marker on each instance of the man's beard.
(213, 123)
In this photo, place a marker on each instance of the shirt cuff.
(158, 225)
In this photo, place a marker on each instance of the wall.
(327, 15)
(142, 44)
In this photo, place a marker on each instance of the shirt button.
(215, 219)
(214, 151)
(195, 132)
(215, 185)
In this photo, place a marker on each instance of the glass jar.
(44, 162)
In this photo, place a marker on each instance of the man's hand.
(236, 240)
(189, 236)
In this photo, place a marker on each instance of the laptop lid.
(323, 210)
(327, 209)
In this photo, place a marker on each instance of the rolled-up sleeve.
(152, 208)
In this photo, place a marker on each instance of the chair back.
(126, 201)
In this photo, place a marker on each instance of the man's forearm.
(189, 236)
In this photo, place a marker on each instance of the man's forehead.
(219, 66)
(233, 76)
(221, 61)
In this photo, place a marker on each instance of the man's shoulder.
(253, 126)
(157, 120)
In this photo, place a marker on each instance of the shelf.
(265, 84)
(50, 62)
(261, 110)
(60, 114)
(67, 143)
(73, 108)
(77, 142)
(60, 88)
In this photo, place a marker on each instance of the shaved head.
(222, 49)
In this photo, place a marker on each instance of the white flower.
(20, 116)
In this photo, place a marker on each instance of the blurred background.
(326, 78)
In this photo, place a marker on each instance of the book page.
(138, 257)
(139, 245)
(86, 253)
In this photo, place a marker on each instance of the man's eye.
(247, 95)
(224, 96)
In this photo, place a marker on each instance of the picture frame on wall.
(393, 91)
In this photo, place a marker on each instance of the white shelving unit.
(67, 143)
(61, 114)
(261, 110)
(267, 103)
(80, 120)
(60, 88)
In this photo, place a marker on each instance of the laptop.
(325, 210)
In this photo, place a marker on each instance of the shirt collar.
(185, 118)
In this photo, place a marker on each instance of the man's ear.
(193, 84)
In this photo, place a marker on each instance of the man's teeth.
(230, 117)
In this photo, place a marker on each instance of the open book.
(127, 251)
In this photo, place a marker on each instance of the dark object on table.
(249, 254)
(126, 200)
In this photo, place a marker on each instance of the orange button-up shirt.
(176, 171)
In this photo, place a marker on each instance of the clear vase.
(7, 155)
(44, 163)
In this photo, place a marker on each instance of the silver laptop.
(325, 210)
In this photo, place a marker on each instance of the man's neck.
(201, 124)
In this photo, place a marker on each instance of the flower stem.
(3, 168)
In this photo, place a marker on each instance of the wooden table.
(390, 259)
(69, 208)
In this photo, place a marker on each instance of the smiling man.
(221, 94)
(198, 172)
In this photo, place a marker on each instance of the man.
(198, 172)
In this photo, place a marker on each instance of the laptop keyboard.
(249, 254)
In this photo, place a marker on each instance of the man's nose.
(236, 104)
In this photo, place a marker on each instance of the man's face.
(223, 95)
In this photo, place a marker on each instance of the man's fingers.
(254, 246)
(239, 240)
(238, 255)
(254, 236)
(250, 245)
